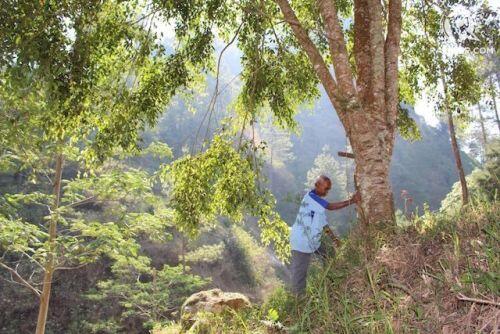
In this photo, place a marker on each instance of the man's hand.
(330, 233)
(356, 198)
(336, 242)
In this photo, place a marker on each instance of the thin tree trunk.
(50, 264)
(271, 169)
(494, 98)
(183, 253)
(483, 130)
(458, 159)
(454, 142)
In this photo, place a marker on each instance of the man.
(305, 238)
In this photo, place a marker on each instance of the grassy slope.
(409, 282)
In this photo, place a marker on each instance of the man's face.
(322, 187)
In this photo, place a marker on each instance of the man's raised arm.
(339, 205)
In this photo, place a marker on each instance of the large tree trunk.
(372, 178)
(366, 100)
(49, 266)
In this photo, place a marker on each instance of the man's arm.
(339, 205)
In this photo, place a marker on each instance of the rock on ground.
(214, 301)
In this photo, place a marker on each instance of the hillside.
(435, 274)
(431, 157)
(233, 167)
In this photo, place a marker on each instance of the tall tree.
(477, 137)
(33, 254)
(475, 27)
(492, 89)
(436, 68)
(287, 49)
(447, 105)
(364, 93)
(484, 135)
(87, 73)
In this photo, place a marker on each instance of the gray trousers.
(299, 266)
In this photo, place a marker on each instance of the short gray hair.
(323, 177)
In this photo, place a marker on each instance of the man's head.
(323, 185)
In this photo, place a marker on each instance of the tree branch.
(476, 300)
(391, 51)
(338, 49)
(213, 100)
(315, 57)
(33, 260)
(81, 202)
(362, 49)
(22, 281)
(377, 52)
(71, 268)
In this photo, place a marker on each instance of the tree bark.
(50, 264)
(183, 253)
(458, 159)
(372, 172)
(367, 109)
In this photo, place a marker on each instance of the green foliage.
(83, 237)
(280, 303)
(17, 236)
(490, 180)
(408, 83)
(92, 72)
(276, 72)
(221, 182)
(429, 66)
(483, 183)
(85, 78)
(464, 82)
(205, 253)
(407, 127)
(272, 314)
(159, 150)
(251, 260)
(150, 296)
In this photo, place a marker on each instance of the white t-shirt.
(306, 231)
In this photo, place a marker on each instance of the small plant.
(272, 315)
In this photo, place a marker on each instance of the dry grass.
(438, 275)
(416, 277)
